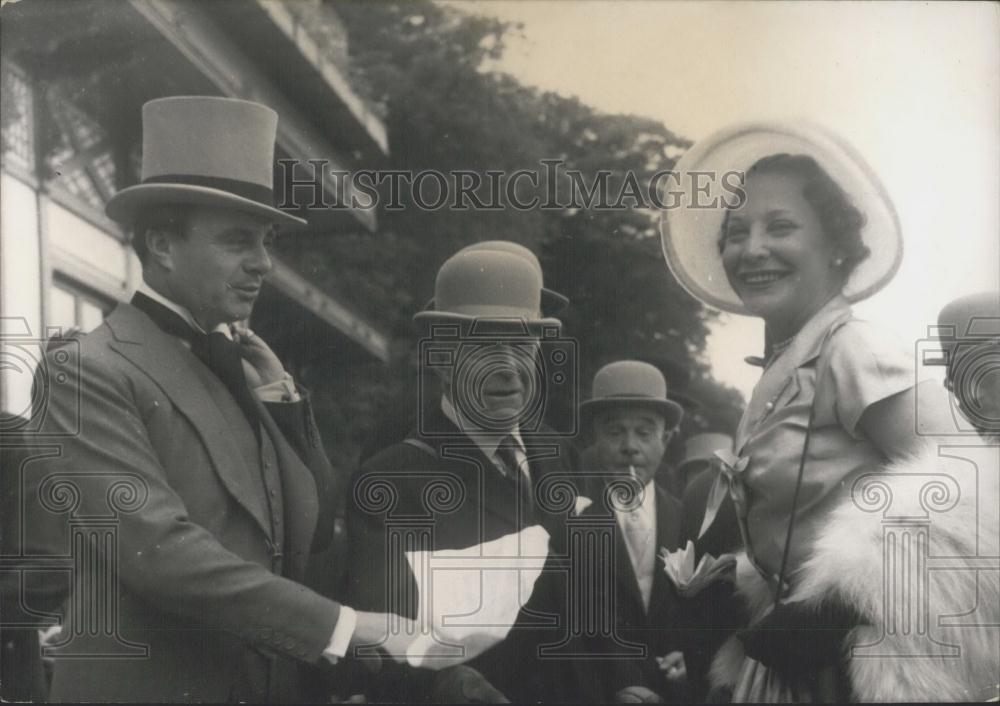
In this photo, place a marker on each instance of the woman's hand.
(795, 636)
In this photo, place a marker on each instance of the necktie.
(221, 355)
(639, 537)
(506, 453)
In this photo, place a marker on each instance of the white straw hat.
(690, 236)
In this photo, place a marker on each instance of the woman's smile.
(776, 255)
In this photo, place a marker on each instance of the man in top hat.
(631, 421)
(193, 443)
(969, 330)
(467, 480)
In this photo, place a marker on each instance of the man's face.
(216, 271)
(494, 385)
(630, 437)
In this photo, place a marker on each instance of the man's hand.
(261, 365)
(673, 667)
(390, 634)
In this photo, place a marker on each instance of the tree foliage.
(421, 64)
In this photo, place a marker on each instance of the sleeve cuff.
(278, 391)
(343, 631)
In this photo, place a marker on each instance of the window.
(17, 109)
(72, 306)
(78, 158)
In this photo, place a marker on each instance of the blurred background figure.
(969, 331)
(699, 453)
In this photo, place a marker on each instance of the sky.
(914, 87)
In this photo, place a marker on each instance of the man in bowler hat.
(631, 420)
(196, 444)
(486, 334)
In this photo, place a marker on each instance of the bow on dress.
(729, 481)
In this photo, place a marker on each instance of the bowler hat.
(487, 285)
(552, 302)
(205, 150)
(690, 233)
(631, 383)
(968, 320)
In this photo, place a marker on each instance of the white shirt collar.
(648, 505)
(488, 442)
(182, 312)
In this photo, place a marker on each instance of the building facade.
(74, 77)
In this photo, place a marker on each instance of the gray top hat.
(205, 150)
(487, 285)
(631, 383)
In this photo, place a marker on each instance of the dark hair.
(170, 217)
(840, 219)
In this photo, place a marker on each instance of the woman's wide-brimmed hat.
(552, 302)
(489, 286)
(630, 383)
(205, 150)
(690, 235)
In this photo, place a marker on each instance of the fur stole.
(939, 511)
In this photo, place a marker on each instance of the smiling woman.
(791, 246)
(835, 404)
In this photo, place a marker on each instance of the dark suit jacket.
(711, 616)
(639, 636)
(146, 440)
(473, 504)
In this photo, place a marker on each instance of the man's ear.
(159, 246)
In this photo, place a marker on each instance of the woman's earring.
(838, 262)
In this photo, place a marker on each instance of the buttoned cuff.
(278, 391)
(343, 631)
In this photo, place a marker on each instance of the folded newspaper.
(470, 598)
(690, 579)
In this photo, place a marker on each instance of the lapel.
(668, 536)
(498, 495)
(779, 383)
(168, 364)
(628, 598)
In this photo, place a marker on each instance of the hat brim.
(123, 206)
(672, 412)
(551, 302)
(446, 317)
(689, 236)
